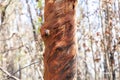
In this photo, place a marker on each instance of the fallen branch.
(8, 74)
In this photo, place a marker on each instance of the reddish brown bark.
(58, 33)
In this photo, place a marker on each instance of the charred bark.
(58, 33)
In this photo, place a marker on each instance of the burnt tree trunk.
(58, 33)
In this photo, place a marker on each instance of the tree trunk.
(58, 33)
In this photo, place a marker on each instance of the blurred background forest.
(98, 38)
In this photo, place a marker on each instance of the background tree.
(19, 52)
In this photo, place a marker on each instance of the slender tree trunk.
(58, 33)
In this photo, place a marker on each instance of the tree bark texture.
(58, 33)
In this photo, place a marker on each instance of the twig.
(25, 67)
(11, 49)
(8, 74)
(8, 37)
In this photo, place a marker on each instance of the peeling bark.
(58, 33)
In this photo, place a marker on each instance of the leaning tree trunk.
(58, 33)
